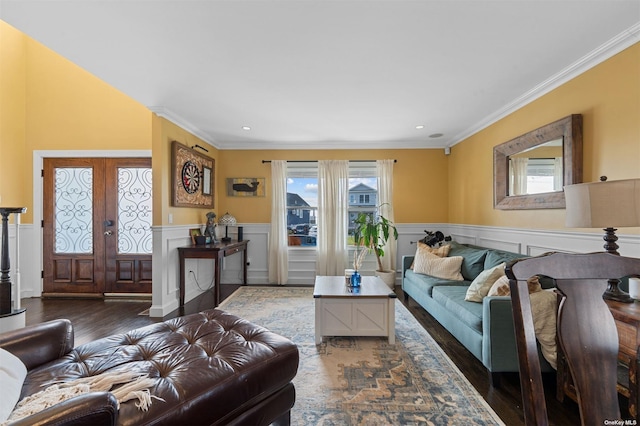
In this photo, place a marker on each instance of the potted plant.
(373, 233)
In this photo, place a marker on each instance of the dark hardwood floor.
(94, 319)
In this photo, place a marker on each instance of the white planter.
(389, 278)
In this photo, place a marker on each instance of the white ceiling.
(331, 74)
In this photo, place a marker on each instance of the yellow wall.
(12, 116)
(165, 132)
(50, 103)
(607, 96)
(420, 186)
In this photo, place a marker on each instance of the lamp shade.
(605, 204)
(227, 220)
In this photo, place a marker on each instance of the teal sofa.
(485, 329)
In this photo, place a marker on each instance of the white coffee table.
(343, 311)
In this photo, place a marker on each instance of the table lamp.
(605, 204)
(227, 220)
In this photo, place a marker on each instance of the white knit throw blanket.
(136, 386)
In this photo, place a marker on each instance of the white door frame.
(38, 165)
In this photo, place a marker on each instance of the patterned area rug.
(364, 380)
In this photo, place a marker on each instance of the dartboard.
(190, 177)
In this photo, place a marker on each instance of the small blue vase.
(356, 279)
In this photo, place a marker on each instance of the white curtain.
(278, 236)
(385, 200)
(518, 176)
(558, 175)
(333, 204)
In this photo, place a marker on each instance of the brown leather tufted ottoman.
(210, 368)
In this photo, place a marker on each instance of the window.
(302, 199)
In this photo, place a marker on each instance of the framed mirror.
(530, 171)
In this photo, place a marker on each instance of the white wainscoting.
(28, 271)
(302, 261)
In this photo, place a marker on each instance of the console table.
(216, 252)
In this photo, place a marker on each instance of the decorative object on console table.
(10, 318)
(193, 233)
(227, 220)
(210, 228)
(605, 204)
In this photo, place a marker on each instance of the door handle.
(108, 233)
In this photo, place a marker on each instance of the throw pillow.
(481, 285)
(501, 287)
(12, 375)
(473, 263)
(442, 251)
(447, 268)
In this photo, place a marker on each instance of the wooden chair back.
(586, 330)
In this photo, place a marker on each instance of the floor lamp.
(605, 204)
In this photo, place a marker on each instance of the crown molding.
(167, 114)
(614, 46)
(333, 145)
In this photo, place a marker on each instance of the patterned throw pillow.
(481, 285)
(501, 287)
(447, 268)
(442, 251)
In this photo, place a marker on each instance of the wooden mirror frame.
(568, 128)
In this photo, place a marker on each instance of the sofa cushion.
(483, 282)
(426, 283)
(473, 262)
(495, 257)
(452, 299)
(439, 267)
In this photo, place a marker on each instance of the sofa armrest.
(96, 408)
(406, 263)
(498, 335)
(40, 343)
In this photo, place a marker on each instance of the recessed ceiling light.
(419, 126)
(246, 128)
(436, 135)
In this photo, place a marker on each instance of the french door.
(97, 225)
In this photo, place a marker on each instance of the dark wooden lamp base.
(613, 291)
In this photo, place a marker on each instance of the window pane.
(73, 210)
(363, 196)
(302, 208)
(134, 211)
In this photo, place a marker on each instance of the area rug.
(364, 380)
